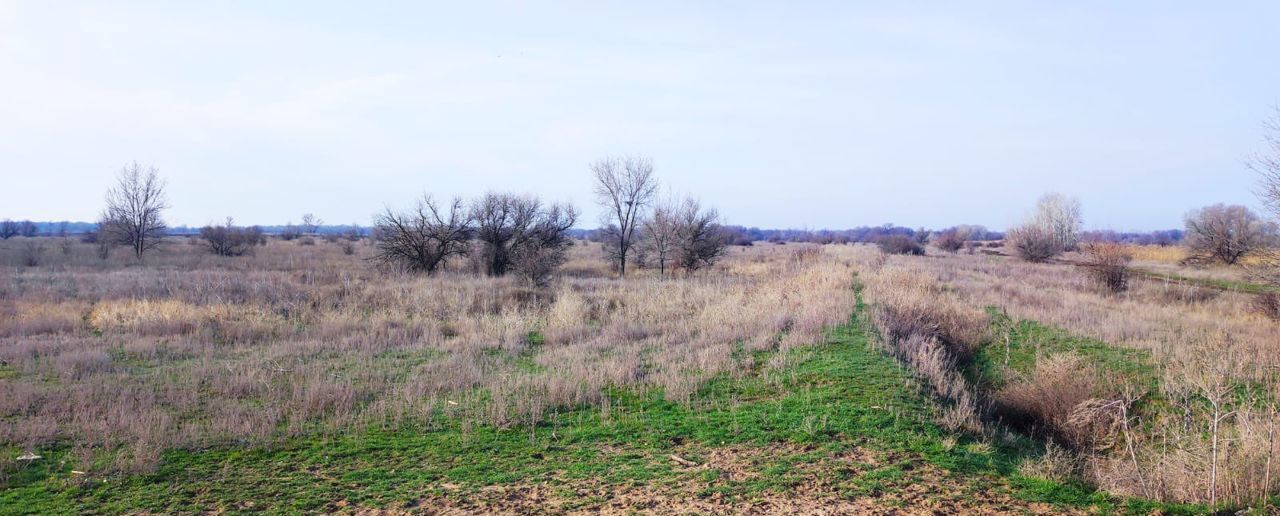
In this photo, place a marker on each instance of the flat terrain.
(303, 380)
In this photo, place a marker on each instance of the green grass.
(1220, 284)
(1015, 347)
(842, 397)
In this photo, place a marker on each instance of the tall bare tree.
(1267, 165)
(134, 208)
(1059, 215)
(422, 239)
(660, 234)
(624, 187)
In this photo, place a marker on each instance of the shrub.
(509, 226)
(900, 244)
(1108, 264)
(422, 239)
(949, 240)
(700, 242)
(1267, 305)
(31, 254)
(1225, 234)
(1046, 400)
(1033, 243)
(229, 240)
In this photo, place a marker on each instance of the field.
(788, 378)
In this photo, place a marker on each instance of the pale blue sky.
(782, 114)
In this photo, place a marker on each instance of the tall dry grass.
(119, 362)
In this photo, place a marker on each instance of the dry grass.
(119, 361)
(1157, 253)
(1211, 439)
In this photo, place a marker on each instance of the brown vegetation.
(120, 362)
(1225, 234)
(1216, 357)
(1108, 264)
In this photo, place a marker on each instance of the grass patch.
(1220, 284)
(1016, 345)
(814, 419)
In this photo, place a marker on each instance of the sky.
(779, 114)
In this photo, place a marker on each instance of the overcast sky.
(781, 114)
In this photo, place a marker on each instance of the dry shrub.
(1267, 305)
(909, 304)
(950, 240)
(1045, 401)
(1108, 264)
(900, 244)
(1033, 243)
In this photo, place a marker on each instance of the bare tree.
(1267, 165)
(660, 234)
(8, 229)
(1052, 229)
(134, 206)
(310, 224)
(517, 230)
(1225, 233)
(422, 239)
(624, 188)
(1059, 215)
(540, 256)
(701, 240)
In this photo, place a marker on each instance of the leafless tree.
(624, 188)
(1225, 233)
(8, 229)
(701, 240)
(1059, 215)
(1052, 229)
(134, 207)
(310, 224)
(229, 240)
(422, 239)
(517, 232)
(661, 231)
(1267, 165)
